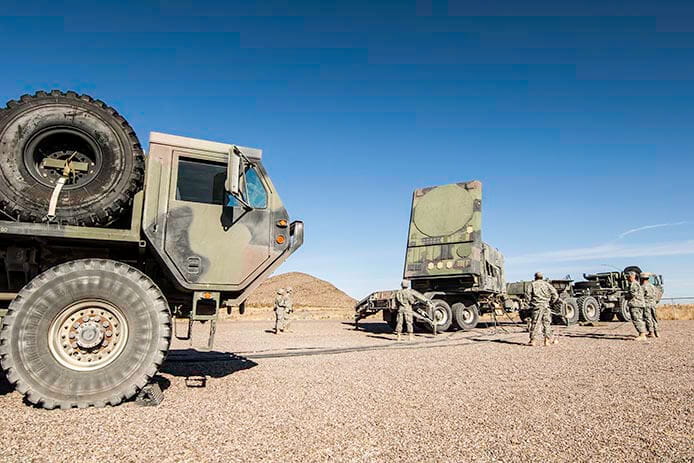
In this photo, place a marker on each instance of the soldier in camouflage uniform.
(650, 298)
(289, 306)
(541, 295)
(636, 305)
(404, 298)
(280, 311)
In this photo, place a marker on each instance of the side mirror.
(231, 185)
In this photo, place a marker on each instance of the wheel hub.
(467, 315)
(88, 335)
(48, 153)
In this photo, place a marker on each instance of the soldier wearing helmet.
(636, 306)
(541, 295)
(404, 298)
(280, 311)
(289, 306)
(650, 298)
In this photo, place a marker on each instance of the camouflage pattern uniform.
(280, 311)
(404, 299)
(288, 304)
(542, 294)
(650, 297)
(636, 306)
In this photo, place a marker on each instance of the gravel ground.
(326, 392)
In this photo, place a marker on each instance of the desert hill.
(308, 291)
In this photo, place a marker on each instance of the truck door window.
(257, 196)
(200, 181)
(253, 190)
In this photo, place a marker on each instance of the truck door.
(210, 236)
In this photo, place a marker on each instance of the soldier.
(650, 298)
(289, 307)
(636, 306)
(404, 298)
(280, 310)
(541, 295)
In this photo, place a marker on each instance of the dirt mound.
(307, 291)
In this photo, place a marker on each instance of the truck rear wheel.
(443, 315)
(624, 314)
(466, 316)
(41, 131)
(589, 309)
(85, 333)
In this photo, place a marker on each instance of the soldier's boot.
(640, 337)
(399, 337)
(650, 335)
(410, 337)
(551, 341)
(532, 343)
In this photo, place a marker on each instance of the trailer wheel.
(443, 315)
(624, 314)
(85, 333)
(589, 309)
(41, 131)
(466, 316)
(572, 313)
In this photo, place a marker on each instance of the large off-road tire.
(85, 333)
(588, 309)
(624, 314)
(572, 313)
(442, 314)
(466, 316)
(61, 126)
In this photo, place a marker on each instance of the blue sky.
(577, 118)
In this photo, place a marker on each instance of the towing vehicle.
(607, 293)
(103, 248)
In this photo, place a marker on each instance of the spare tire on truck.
(41, 134)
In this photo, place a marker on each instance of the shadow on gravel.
(190, 362)
(370, 327)
(5, 386)
(605, 336)
(387, 338)
(499, 341)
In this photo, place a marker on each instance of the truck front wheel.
(589, 308)
(571, 313)
(466, 316)
(85, 333)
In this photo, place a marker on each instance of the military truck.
(607, 291)
(104, 248)
(447, 260)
